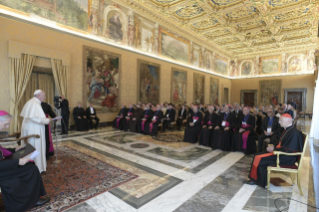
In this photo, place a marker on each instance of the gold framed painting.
(173, 47)
(270, 65)
(101, 79)
(148, 82)
(199, 89)
(179, 86)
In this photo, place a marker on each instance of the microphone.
(62, 121)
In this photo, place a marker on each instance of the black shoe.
(42, 201)
(61, 134)
(249, 182)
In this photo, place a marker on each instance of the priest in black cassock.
(146, 116)
(49, 149)
(120, 121)
(222, 134)
(81, 122)
(129, 115)
(151, 127)
(20, 181)
(210, 121)
(169, 117)
(134, 119)
(91, 115)
(271, 129)
(259, 120)
(194, 126)
(291, 140)
(238, 113)
(244, 139)
(182, 113)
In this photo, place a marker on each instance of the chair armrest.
(16, 135)
(278, 153)
(25, 139)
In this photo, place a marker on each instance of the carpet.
(77, 178)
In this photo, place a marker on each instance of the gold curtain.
(61, 76)
(46, 83)
(20, 72)
(28, 94)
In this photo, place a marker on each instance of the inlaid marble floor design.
(178, 176)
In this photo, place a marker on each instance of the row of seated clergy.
(144, 121)
(222, 131)
(84, 119)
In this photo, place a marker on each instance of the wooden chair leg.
(292, 176)
(268, 179)
(298, 180)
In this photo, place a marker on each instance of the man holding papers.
(34, 121)
(20, 181)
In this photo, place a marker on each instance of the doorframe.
(248, 91)
(303, 99)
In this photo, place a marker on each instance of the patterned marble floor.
(183, 177)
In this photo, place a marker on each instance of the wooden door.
(249, 99)
(297, 97)
(226, 96)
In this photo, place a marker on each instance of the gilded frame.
(194, 90)
(161, 31)
(172, 75)
(139, 62)
(84, 75)
(268, 58)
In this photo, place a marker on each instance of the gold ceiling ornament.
(217, 24)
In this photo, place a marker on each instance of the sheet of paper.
(56, 118)
(34, 155)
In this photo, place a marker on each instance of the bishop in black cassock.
(146, 116)
(120, 121)
(136, 118)
(20, 181)
(182, 115)
(290, 141)
(245, 136)
(194, 126)
(223, 133)
(49, 149)
(210, 121)
(169, 117)
(81, 122)
(151, 126)
(129, 116)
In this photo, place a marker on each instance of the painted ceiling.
(238, 28)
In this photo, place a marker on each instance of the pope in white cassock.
(34, 121)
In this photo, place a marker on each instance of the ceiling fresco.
(255, 26)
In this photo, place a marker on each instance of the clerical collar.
(37, 99)
(287, 128)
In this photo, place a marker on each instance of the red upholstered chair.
(294, 169)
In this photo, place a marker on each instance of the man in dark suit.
(293, 104)
(271, 129)
(238, 113)
(91, 114)
(65, 112)
(182, 113)
(169, 117)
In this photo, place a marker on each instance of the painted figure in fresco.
(130, 35)
(137, 32)
(207, 62)
(246, 69)
(108, 80)
(115, 28)
(295, 65)
(274, 99)
(95, 86)
(176, 94)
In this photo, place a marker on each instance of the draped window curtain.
(314, 132)
(20, 72)
(61, 76)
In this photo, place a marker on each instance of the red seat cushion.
(287, 167)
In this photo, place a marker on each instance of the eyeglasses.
(269, 111)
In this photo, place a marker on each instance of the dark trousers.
(166, 124)
(179, 123)
(97, 120)
(262, 137)
(65, 126)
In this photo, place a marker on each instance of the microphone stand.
(56, 138)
